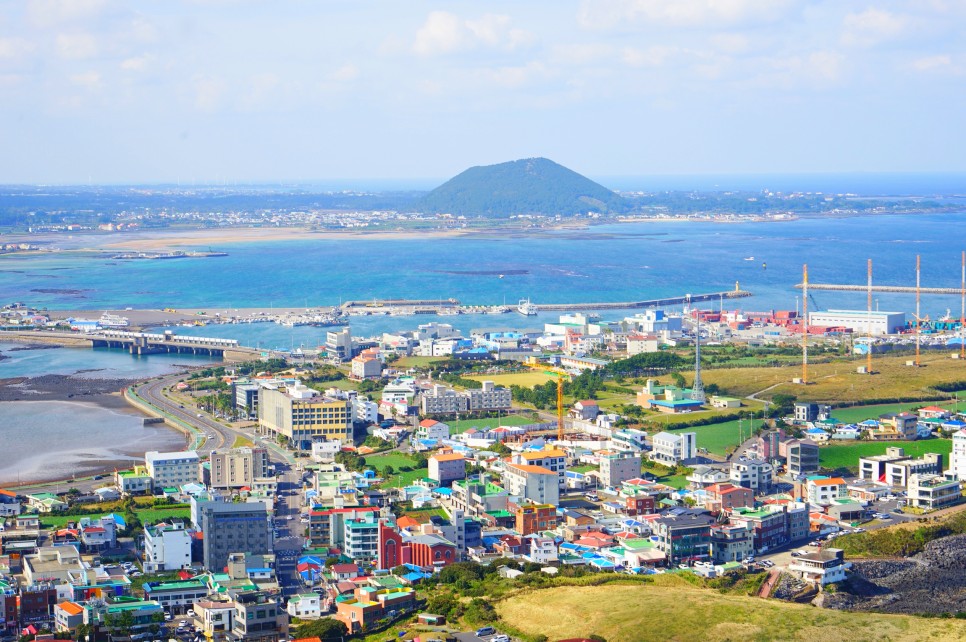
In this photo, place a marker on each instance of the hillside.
(528, 186)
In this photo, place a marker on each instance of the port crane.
(533, 364)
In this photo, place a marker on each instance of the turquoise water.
(99, 363)
(606, 263)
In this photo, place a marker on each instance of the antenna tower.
(805, 324)
(697, 390)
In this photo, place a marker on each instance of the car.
(485, 630)
(503, 637)
(183, 623)
(200, 415)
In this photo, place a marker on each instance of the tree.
(324, 629)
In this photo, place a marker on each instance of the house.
(727, 497)
(824, 491)
(431, 429)
(543, 550)
(68, 616)
(896, 426)
(136, 481)
(755, 474)
(672, 449)
(445, 468)
(822, 567)
(586, 410)
(704, 476)
(305, 606)
(45, 503)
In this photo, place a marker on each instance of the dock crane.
(533, 364)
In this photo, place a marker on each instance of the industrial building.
(860, 321)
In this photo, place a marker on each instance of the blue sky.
(215, 90)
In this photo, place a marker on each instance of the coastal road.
(217, 435)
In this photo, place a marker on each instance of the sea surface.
(57, 439)
(97, 363)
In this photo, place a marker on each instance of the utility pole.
(805, 324)
(868, 356)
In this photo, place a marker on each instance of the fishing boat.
(526, 308)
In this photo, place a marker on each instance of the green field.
(847, 455)
(583, 469)
(855, 414)
(396, 460)
(671, 609)
(416, 362)
(457, 427)
(525, 379)
(718, 438)
(146, 515)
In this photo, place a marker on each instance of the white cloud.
(445, 32)
(654, 56)
(137, 63)
(817, 70)
(208, 91)
(871, 27)
(14, 48)
(76, 46)
(608, 14)
(731, 43)
(47, 13)
(934, 64)
(345, 73)
(517, 76)
(89, 80)
(581, 54)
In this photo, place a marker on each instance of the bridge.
(143, 343)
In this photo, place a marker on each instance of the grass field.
(242, 442)
(396, 460)
(718, 438)
(847, 455)
(671, 609)
(855, 414)
(146, 515)
(457, 427)
(837, 381)
(525, 379)
(416, 362)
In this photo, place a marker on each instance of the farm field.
(718, 438)
(855, 414)
(671, 609)
(457, 427)
(847, 455)
(525, 379)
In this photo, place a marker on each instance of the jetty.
(901, 289)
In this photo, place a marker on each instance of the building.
(214, 618)
(586, 410)
(431, 429)
(552, 459)
(305, 606)
(684, 535)
(727, 497)
(801, 457)
(68, 616)
(368, 605)
(898, 472)
(302, 415)
(445, 468)
(535, 483)
(360, 538)
(476, 497)
(136, 481)
(167, 547)
(957, 459)
(672, 449)
(755, 474)
(338, 344)
(257, 616)
(821, 567)
(489, 397)
(172, 470)
(233, 528)
(873, 468)
(862, 321)
(535, 518)
(366, 366)
(441, 400)
(178, 596)
(731, 542)
(237, 467)
(618, 467)
(895, 426)
(930, 492)
(775, 525)
(327, 527)
(825, 491)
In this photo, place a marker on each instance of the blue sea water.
(620, 262)
(99, 363)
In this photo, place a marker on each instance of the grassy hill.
(528, 186)
(673, 610)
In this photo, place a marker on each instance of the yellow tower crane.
(533, 364)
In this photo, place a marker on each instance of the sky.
(101, 91)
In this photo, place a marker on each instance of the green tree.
(324, 629)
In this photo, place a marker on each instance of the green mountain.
(527, 186)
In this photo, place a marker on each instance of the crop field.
(671, 609)
(847, 455)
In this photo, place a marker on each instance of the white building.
(535, 483)
(325, 451)
(167, 547)
(755, 474)
(543, 550)
(305, 606)
(825, 492)
(552, 459)
(172, 470)
(629, 439)
(875, 322)
(671, 449)
(931, 492)
(366, 366)
(363, 410)
(431, 429)
(822, 567)
(338, 343)
(618, 467)
(957, 460)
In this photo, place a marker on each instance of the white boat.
(113, 321)
(526, 308)
(749, 258)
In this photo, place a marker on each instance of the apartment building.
(174, 469)
(302, 415)
(237, 467)
(672, 449)
(535, 483)
(167, 547)
(550, 458)
(618, 467)
(755, 474)
(232, 528)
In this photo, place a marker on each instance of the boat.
(749, 258)
(526, 308)
(113, 321)
(501, 276)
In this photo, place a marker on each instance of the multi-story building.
(684, 536)
(167, 547)
(873, 468)
(755, 474)
(431, 429)
(444, 401)
(476, 497)
(257, 616)
(550, 458)
(957, 459)
(731, 542)
(535, 483)
(176, 597)
(366, 366)
(237, 467)
(897, 473)
(825, 491)
(338, 344)
(233, 527)
(301, 415)
(445, 468)
(775, 524)
(822, 567)
(369, 605)
(671, 449)
(930, 492)
(172, 470)
(136, 481)
(535, 518)
(801, 457)
(214, 618)
(361, 538)
(327, 527)
(727, 496)
(618, 467)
